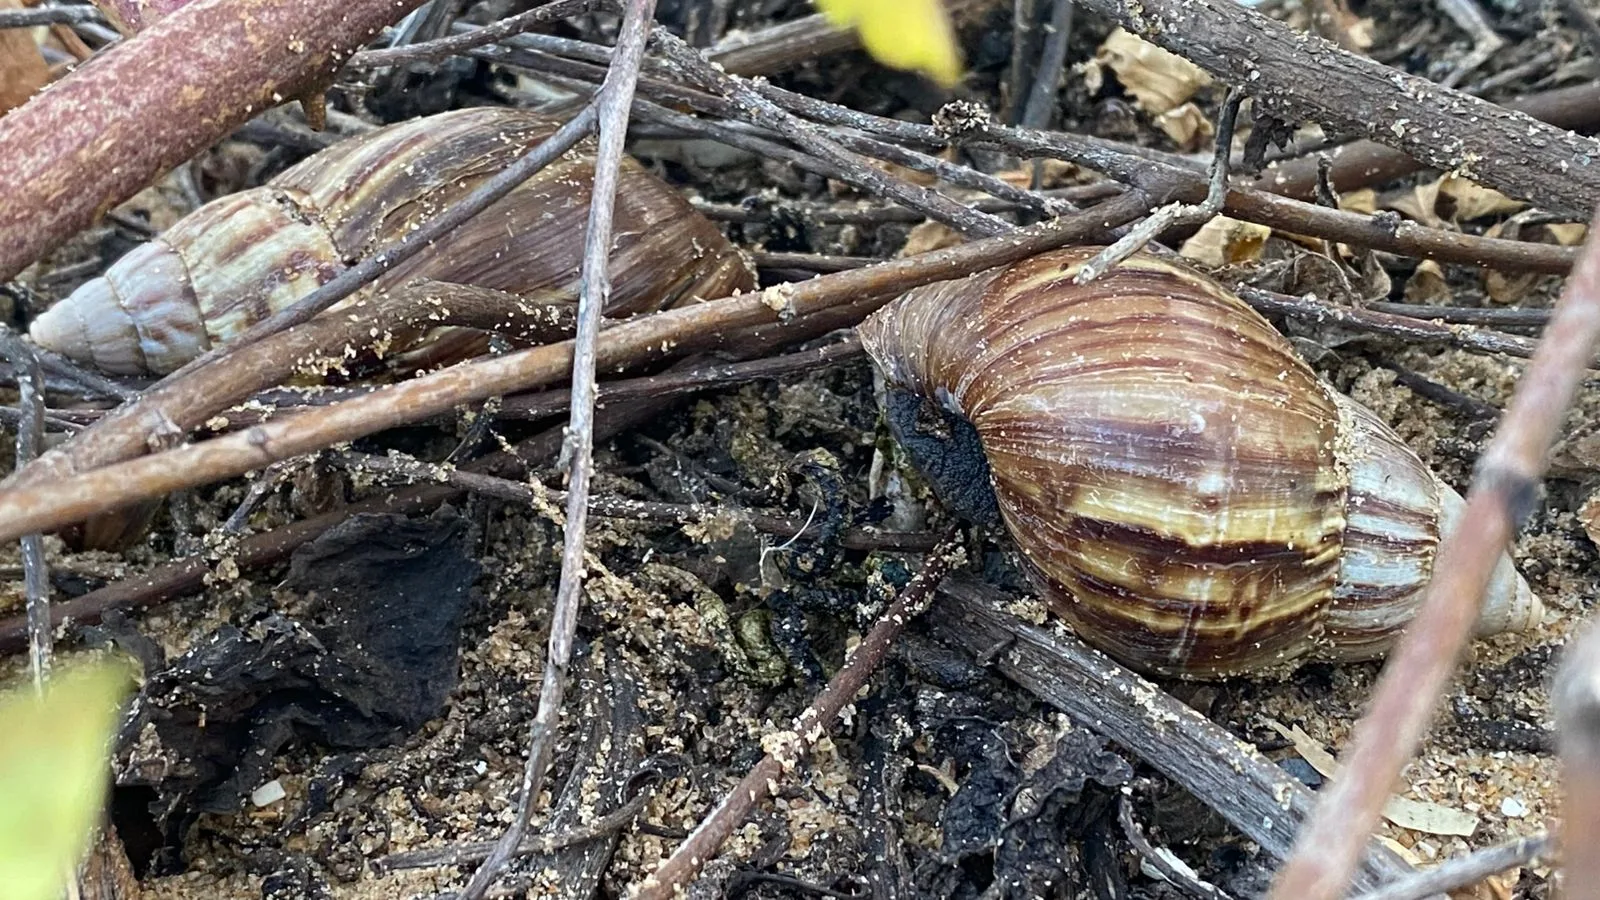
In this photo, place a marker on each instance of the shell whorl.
(1186, 492)
(240, 258)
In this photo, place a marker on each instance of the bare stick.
(802, 307)
(762, 111)
(624, 508)
(1257, 797)
(790, 747)
(612, 106)
(102, 133)
(1465, 871)
(1505, 490)
(30, 435)
(441, 48)
(1174, 214)
(1576, 698)
(48, 15)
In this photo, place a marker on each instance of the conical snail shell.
(240, 258)
(1185, 491)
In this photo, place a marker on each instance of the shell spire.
(1184, 490)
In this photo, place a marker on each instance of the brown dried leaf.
(1158, 80)
(1589, 515)
(930, 236)
(1225, 242)
(1360, 200)
(1428, 285)
(1188, 127)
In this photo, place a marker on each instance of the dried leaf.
(1188, 127)
(929, 236)
(1361, 200)
(1474, 201)
(54, 771)
(1158, 80)
(1430, 818)
(1225, 242)
(916, 35)
(1416, 815)
(1427, 284)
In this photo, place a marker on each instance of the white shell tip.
(60, 329)
(1509, 604)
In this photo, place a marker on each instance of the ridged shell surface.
(240, 258)
(1184, 489)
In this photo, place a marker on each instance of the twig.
(1052, 59)
(460, 854)
(1182, 878)
(413, 242)
(760, 110)
(30, 436)
(1257, 797)
(612, 106)
(787, 749)
(414, 470)
(1505, 490)
(1178, 213)
(828, 301)
(441, 48)
(1576, 700)
(48, 15)
(1464, 871)
(105, 131)
(1581, 19)
(1469, 17)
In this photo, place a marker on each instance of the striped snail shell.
(240, 258)
(1186, 493)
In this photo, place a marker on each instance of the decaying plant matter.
(1169, 450)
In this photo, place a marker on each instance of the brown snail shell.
(1185, 491)
(240, 258)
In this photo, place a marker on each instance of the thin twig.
(1580, 18)
(1052, 59)
(760, 110)
(460, 854)
(30, 437)
(418, 471)
(1505, 491)
(1464, 871)
(789, 748)
(442, 48)
(612, 106)
(1175, 214)
(48, 15)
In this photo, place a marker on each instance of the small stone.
(1513, 808)
(268, 793)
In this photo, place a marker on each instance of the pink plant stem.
(1504, 491)
(103, 133)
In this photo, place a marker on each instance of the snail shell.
(1185, 491)
(240, 258)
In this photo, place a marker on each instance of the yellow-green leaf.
(53, 775)
(903, 34)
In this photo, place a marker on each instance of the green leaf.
(902, 34)
(54, 769)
